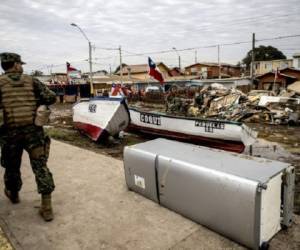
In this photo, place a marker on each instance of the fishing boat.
(100, 117)
(226, 135)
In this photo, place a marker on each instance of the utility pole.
(179, 59)
(196, 56)
(179, 62)
(91, 69)
(121, 68)
(90, 58)
(219, 61)
(109, 69)
(252, 59)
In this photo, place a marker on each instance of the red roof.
(279, 74)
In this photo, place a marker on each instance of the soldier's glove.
(42, 115)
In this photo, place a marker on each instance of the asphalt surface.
(94, 210)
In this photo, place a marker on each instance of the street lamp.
(90, 56)
(179, 61)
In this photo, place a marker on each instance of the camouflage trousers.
(33, 140)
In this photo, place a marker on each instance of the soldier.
(170, 98)
(20, 96)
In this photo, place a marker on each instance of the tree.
(263, 53)
(118, 68)
(36, 73)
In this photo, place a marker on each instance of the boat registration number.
(209, 126)
(92, 108)
(150, 119)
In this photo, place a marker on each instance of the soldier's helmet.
(11, 57)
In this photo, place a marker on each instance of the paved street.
(94, 210)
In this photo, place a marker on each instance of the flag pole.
(121, 68)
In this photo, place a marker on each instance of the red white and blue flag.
(70, 68)
(154, 72)
(116, 90)
(72, 72)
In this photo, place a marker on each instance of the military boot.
(46, 207)
(13, 196)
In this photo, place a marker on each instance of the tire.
(264, 246)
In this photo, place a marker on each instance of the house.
(274, 81)
(296, 61)
(212, 70)
(59, 78)
(100, 73)
(101, 83)
(241, 83)
(46, 79)
(262, 67)
(175, 72)
(140, 71)
(291, 72)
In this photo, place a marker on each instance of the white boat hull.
(100, 117)
(228, 135)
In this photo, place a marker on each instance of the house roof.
(275, 60)
(44, 78)
(174, 71)
(179, 78)
(113, 78)
(139, 68)
(296, 55)
(290, 69)
(212, 64)
(273, 73)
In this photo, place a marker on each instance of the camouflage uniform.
(16, 137)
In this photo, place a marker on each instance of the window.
(268, 66)
(283, 65)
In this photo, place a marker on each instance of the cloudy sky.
(40, 30)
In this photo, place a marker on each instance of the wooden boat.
(100, 117)
(226, 135)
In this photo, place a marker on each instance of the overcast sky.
(40, 30)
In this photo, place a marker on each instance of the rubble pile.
(218, 102)
(153, 97)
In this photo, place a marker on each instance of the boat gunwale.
(186, 118)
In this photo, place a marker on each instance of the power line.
(242, 21)
(103, 58)
(290, 49)
(208, 46)
(134, 54)
(277, 38)
(106, 48)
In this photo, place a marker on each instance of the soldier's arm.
(1, 110)
(44, 95)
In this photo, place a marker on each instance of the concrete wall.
(296, 63)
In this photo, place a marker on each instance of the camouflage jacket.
(42, 93)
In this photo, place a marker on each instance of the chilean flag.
(116, 89)
(154, 72)
(70, 68)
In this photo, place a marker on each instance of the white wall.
(296, 63)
